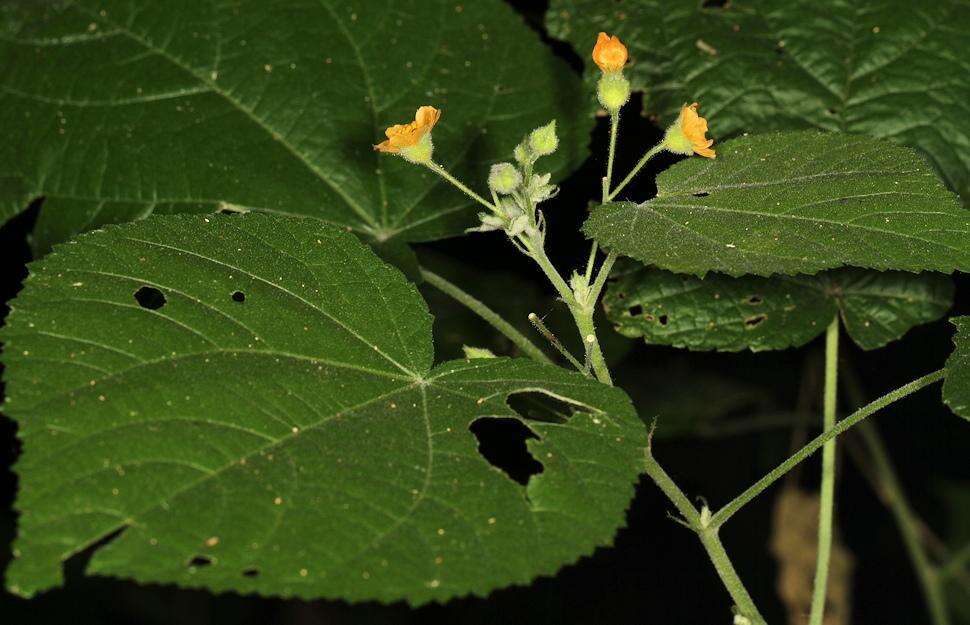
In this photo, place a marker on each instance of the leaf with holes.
(113, 110)
(795, 202)
(730, 314)
(956, 387)
(887, 68)
(249, 402)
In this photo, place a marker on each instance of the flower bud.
(543, 140)
(519, 225)
(580, 288)
(489, 223)
(539, 189)
(523, 154)
(609, 53)
(504, 178)
(510, 208)
(477, 352)
(613, 91)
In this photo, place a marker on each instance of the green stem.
(549, 336)
(908, 525)
(643, 161)
(441, 171)
(826, 509)
(957, 562)
(592, 258)
(587, 331)
(708, 537)
(581, 315)
(614, 126)
(758, 487)
(486, 313)
(604, 273)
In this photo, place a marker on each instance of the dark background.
(657, 572)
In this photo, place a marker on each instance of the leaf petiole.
(725, 513)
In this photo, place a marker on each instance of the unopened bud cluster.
(517, 190)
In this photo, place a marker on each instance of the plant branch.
(909, 525)
(826, 510)
(486, 313)
(708, 537)
(812, 446)
(643, 161)
(441, 171)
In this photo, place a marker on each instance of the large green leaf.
(887, 68)
(956, 387)
(731, 314)
(795, 202)
(250, 400)
(115, 109)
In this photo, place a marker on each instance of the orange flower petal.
(609, 53)
(405, 135)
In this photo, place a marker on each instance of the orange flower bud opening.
(609, 53)
(402, 136)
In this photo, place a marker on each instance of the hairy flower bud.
(472, 352)
(613, 91)
(543, 140)
(504, 178)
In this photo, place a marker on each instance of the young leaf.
(956, 387)
(247, 403)
(795, 202)
(115, 111)
(886, 68)
(730, 314)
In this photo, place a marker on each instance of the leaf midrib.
(225, 95)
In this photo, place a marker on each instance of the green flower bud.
(580, 288)
(504, 178)
(613, 91)
(523, 155)
(543, 140)
(489, 223)
(477, 352)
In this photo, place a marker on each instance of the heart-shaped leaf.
(250, 402)
(114, 110)
(886, 68)
(956, 387)
(795, 202)
(730, 314)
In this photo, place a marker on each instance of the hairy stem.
(826, 509)
(708, 537)
(441, 171)
(909, 526)
(614, 126)
(582, 315)
(486, 313)
(643, 161)
(758, 487)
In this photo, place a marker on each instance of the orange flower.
(402, 136)
(609, 53)
(686, 135)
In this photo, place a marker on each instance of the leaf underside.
(731, 314)
(956, 386)
(886, 68)
(116, 110)
(796, 202)
(251, 400)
